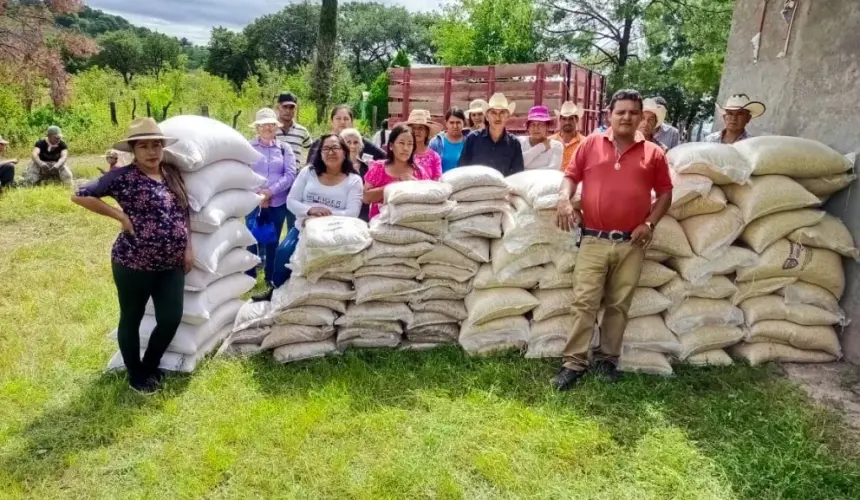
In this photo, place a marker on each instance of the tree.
(159, 52)
(121, 51)
(325, 56)
(286, 39)
(420, 44)
(371, 34)
(229, 56)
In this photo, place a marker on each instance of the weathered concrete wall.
(813, 92)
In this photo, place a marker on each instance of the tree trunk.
(624, 43)
(113, 114)
(324, 64)
(125, 78)
(133, 109)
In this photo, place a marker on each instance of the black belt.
(608, 235)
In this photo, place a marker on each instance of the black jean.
(134, 289)
(7, 175)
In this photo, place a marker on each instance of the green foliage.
(229, 56)
(93, 22)
(286, 39)
(160, 52)
(121, 51)
(379, 96)
(371, 34)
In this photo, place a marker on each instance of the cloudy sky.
(194, 19)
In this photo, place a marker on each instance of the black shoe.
(608, 371)
(158, 376)
(146, 388)
(263, 297)
(566, 379)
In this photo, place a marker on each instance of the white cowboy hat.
(143, 129)
(422, 117)
(742, 101)
(651, 106)
(568, 108)
(499, 101)
(477, 106)
(265, 116)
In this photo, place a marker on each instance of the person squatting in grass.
(152, 253)
(618, 170)
(7, 167)
(49, 159)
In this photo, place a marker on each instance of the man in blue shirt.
(494, 146)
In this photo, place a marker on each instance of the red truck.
(545, 83)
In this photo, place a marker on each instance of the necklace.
(617, 155)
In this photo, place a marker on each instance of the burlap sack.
(709, 235)
(647, 302)
(831, 234)
(708, 338)
(791, 260)
(714, 201)
(650, 333)
(695, 313)
(791, 156)
(487, 305)
(762, 352)
(720, 162)
(773, 307)
(643, 361)
(717, 357)
(769, 194)
(807, 338)
(669, 238)
(764, 232)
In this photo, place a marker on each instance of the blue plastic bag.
(262, 228)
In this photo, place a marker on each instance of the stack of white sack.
(215, 163)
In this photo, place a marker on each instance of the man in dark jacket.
(494, 146)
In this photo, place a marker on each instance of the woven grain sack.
(306, 315)
(222, 207)
(446, 272)
(176, 362)
(480, 193)
(757, 288)
(655, 275)
(396, 271)
(555, 327)
(375, 337)
(525, 279)
(447, 332)
(209, 249)
(346, 266)
(764, 232)
(219, 177)
(697, 269)
(760, 353)
(716, 287)
(484, 226)
(486, 305)
(327, 237)
(429, 192)
(655, 256)
(552, 303)
(422, 319)
(807, 293)
(551, 279)
(397, 235)
(300, 292)
(238, 349)
(647, 302)
(453, 308)
(507, 265)
(379, 250)
(498, 335)
(551, 346)
(669, 238)
(250, 336)
(473, 247)
(237, 260)
(531, 185)
(299, 352)
(472, 208)
(203, 141)
(253, 315)
(710, 234)
(791, 156)
(650, 333)
(827, 185)
(462, 178)
(388, 261)
(716, 357)
(375, 311)
(712, 202)
(688, 187)
(791, 260)
(719, 162)
(433, 227)
(641, 361)
(773, 307)
(438, 293)
(831, 234)
(415, 212)
(457, 287)
(295, 334)
(769, 194)
(808, 338)
(445, 255)
(377, 288)
(695, 313)
(565, 259)
(708, 338)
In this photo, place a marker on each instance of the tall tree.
(121, 51)
(325, 57)
(159, 52)
(371, 34)
(229, 56)
(287, 39)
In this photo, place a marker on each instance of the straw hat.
(500, 102)
(265, 116)
(742, 101)
(143, 129)
(477, 106)
(568, 108)
(651, 106)
(422, 118)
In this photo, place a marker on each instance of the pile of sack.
(215, 163)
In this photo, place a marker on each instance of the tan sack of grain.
(707, 338)
(717, 357)
(791, 260)
(695, 313)
(306, 315)
(427, 319)
(446, 272)
(507, 265)
(415, 212)
(473, 247)
(498, 335)
(827, 185)
(480, 193)
(831, 234)
(300, 292)
(557, 326)
(773, 307)
(453, 308)
(719, 162)
(641, 361)
(375, 311)
(807, 293)
(525, 279)
(670, 239)
(376, 288)
(647, 302)
(769, 194)
(467, 209)
(808, 338)
(471, 176)
(757, 288)
(650, 333)
(436, 227)
(762, 352)
(484, 225)
(654, 255)
(551, 279)
(552, 303)
(486, 305)
(298, 352)
(397, 235)
(395, 271)
(697, 269)
(764, 232)
(687, 187)
(710, 234)
(532, 185)
(791, 156)
(716, 287)
(447, 256)
(655, 275)
(296, 334)
(380, 250)
(431, 192)
(548, 346)
(712, 202)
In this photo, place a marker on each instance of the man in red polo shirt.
(618, 170)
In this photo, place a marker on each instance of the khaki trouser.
(36, 174)
(609, 271)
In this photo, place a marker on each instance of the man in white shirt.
(539, 151)
(666, 134)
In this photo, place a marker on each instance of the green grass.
(366, 424)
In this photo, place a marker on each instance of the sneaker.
(146, 388)
(565, 379)
(264, 297)
(608, 371)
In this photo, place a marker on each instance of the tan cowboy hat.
(265, 116)
(422, 117)
(651, 106)
(499, 101)
(568, 108)
(477, 106)
(143, 129)
(742, 101)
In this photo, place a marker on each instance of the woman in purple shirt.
(153, 253)
(278, 166)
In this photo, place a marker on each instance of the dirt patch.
(834, 385)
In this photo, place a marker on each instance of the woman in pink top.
(423, 128)
(400, 166)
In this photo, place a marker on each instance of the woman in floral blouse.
(152, 254)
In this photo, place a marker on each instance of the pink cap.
(539, 114)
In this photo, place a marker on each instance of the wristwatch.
(650, 225)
